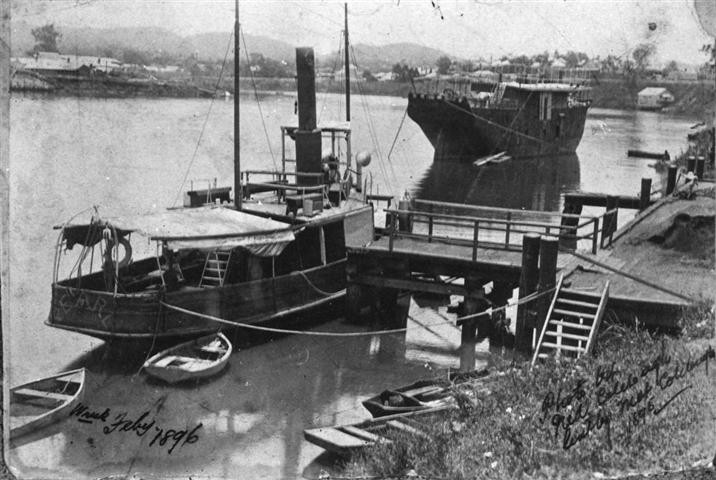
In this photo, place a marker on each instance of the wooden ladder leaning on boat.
(215, 268)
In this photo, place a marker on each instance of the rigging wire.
(206, 120)
(325, 94)
(258, 102)
(371, 129)
(402, 120)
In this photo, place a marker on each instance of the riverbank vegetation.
(642, 403)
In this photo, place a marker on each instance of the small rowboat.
(195, 359)
(37, 404)
(421, 395)
(417, 396)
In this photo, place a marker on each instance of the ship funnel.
(308, 136)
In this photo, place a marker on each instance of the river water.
(128, 156)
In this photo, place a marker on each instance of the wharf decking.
(646, 280)
(685, 269)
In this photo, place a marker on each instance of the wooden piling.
(645, 195)
(528, 284)
(405, 220)
(671, 179)
(548, 251)
(691, 164)
(609, 226)
(568, 230)
(700, 164)
(468, 334)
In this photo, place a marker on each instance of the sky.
(464, 28)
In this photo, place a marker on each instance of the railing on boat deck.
(279, 183)
(499, 228)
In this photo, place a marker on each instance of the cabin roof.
(546, 87)
(326, 126)
(204, 228)
(653, 91)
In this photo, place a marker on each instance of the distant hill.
(382, 57)
(149, 40)
(159, 42)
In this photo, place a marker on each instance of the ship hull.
(147, 316)
(458, 131)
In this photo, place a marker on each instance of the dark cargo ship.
(521, 117)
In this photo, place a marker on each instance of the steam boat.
(486, 113)
(278, 251)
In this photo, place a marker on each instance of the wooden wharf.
(456, 249)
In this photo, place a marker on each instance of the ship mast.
(347, 67)
(238, 190)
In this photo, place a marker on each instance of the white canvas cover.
(206, 228)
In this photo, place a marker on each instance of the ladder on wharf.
(572, 323)
(215, 268)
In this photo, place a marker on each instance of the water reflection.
(252, 415)
(532, 184)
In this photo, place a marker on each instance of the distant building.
(653, 98)
(52, 62)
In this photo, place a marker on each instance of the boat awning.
(201, 228)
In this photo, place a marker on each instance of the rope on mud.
(633, 277)
(318, 290)
(212, 318)
(520, 301)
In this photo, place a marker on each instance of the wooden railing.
(501, 230)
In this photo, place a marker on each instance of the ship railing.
(278, 182)
(502, 229)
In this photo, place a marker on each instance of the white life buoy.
(127, 252)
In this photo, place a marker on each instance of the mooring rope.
(497, 125)
(400, 127)
(633, 277)
(224, 321)
(318, 290)
(279, 330)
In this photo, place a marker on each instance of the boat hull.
(73, 381)
(458, 131)
(175, 374)
(145, 315)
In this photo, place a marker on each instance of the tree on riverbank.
(45, 39)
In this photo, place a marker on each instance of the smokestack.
(308, 137)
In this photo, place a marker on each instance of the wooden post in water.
(610, 226)
(548, 252)
(405, 220)
(645, 195)
(568, 230)
(528, 284)
(691, 164)
(469, 327)
(671, 179)
(700, 164)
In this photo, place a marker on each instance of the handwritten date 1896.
(143, 425)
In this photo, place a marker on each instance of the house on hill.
(57, 63)
(653, 98)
